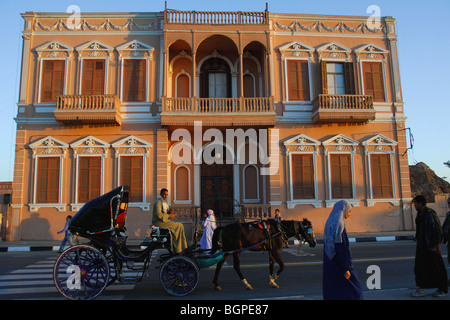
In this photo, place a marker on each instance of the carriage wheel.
(179, 276)
(81, 273)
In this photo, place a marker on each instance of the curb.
(367, 239)
(291, 242)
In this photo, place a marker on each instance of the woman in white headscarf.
(209, 225)
(340, 281)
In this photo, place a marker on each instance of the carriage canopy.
(103, 214)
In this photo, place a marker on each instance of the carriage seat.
(157, 235)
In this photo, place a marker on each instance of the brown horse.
(267, 235)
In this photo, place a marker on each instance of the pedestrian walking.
(429, 267)
(445, 230)
(66, 234)
(340, 281)
(209, 225)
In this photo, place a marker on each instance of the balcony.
(88, 109)
(216, 18)
(218, 111)
(329, 108)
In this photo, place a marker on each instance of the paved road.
(28, 276)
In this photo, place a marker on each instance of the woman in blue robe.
(340, 281)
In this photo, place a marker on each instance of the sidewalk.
(53, 245)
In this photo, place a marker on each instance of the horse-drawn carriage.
(83, 271)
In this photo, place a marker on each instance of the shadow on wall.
(35, 228)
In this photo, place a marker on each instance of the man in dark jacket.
(429, 267)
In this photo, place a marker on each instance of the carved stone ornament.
(90, 145)
(319, 26)
(107, 25)
(340, 143)
(301, 143)
(132, 146)
(49, 146)
(379, 143)
(54, 49)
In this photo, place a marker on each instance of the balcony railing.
(342, 108)
(218, 105)
(223, 18)
(218, 111)
(88, 109)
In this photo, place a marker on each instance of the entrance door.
(217, 189)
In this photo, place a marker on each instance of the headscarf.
(335, 226)
(211, 218)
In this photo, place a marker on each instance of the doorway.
(217, 189)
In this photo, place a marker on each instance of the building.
(236, 111)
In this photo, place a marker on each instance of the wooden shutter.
(323, 66)
(381, 176)
(374, 81)
(52, 84)
(298, 80)
(134, 80)
(93, 77)
(303, 176)
(349, 78)
(48, 180)
(132, 175)
(89, 176)
(341, 176)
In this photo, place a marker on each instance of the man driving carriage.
(162, 215)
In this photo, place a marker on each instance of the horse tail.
(217, 239)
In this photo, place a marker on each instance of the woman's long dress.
(335, 286)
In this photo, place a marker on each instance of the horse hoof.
(275, 286)
(218, 288)
(249, 287)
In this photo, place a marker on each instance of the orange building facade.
(241, 112)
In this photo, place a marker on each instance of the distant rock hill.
(424, 181)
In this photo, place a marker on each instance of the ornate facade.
(241, 112)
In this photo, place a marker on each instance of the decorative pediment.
(302, 143)
(54, 49)
(379, 143)
(296, 49)
(94, 49)
(90, 145)
(49, 146)
(340, 143)
(132, 146)
(371, 51)
(333, 51)
(135, 48)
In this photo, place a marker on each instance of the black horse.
(267, 235)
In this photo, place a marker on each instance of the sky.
(423, 47)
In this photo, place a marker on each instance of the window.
(251, 183)
(182, 184)
(89, 182)
(373, 80)
(381, 176)
(93, 77)
(183, 86)
(303, 176)
(217, 85)
(48, 180)
(52, 80)
(298, 80)
(132, 174)
(341, 176)
(338, 78)
(134, 82)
